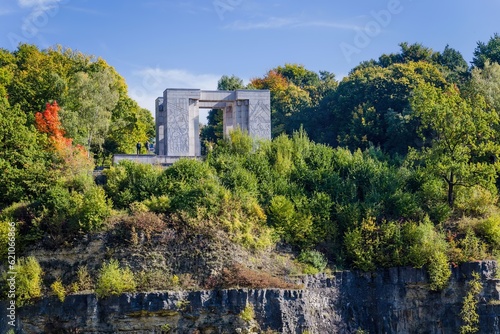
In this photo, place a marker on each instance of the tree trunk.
(451, 197)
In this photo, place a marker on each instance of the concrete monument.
(177, 117)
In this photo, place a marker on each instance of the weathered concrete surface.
(395, 300)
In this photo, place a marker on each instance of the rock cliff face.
(394, 300)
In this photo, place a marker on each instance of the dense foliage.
(394, 165)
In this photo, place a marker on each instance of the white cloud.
(150, 83)
(276, 22)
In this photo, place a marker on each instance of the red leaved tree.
(75, 157)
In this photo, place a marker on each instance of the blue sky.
(162, 44)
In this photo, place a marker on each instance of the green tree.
(371, 107)
(230, 83)
(91, 98)
(38, 79)
(487, 51)
(26, 166)
(486, 82)
(460, 137)
(454, 66)
(129, 125)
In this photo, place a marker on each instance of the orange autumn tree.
(286, 99)
(48, 122)
(74, 157)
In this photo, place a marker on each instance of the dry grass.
(239, 276)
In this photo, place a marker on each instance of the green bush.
(313, 258)
(94, 209)
(160, 204)
(248, 314)
(472, 247)
(292, 225)
(113, 280)
(63, 211)
(8, 234)
(469, 315)
(84, 280)
(439, 271)
(193, 187)
(474, 201)
(58, 289)
(426, 242)
(130, 182)
(28, 280)
(489, 230)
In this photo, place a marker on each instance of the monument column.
(182, 122)
(258, 105)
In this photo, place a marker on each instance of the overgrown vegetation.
(470, 317)
(28, 280)
(114, 280)
(58, 289)
(248, 314)
(397, 164)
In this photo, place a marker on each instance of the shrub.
(291, 224)
(472, 247)
(58, 289)
(469, 315)
(94, 210)
(84, 281)
(64, 211)
(248, 314)
(165, 328)
(489, 230)
(439, 271)
(160, 204)
(28, 280)
(474, 201)
(193, 187)
(130, 182)
(154, 280)
(426, 242)
(245, 222)
(313, 258)
(113, 280)
(8, 233)
(361, 245)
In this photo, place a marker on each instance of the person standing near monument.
(138, 148)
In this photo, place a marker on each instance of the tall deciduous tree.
(91, 97)
(486, 81)
(24, 164)
(230, 83)
(371, 106)
(460, 140)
